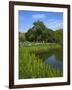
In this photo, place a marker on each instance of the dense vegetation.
(32, 58)
(36, 45)
(40, 33)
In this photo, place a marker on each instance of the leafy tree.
(35, 33)
(39, 25)
(59, 36)
(30, 35)
(40, 33)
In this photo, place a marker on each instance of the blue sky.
(52, 20)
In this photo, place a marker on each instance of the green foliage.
(59, 36)
(39, 25)
(21, 37)
(31, 62)
(40, 33)
(36, 45)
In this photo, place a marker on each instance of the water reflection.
(58, 64)
(53, 56)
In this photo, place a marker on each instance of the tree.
(40, 33)
(39, 25)
(30, 35)
(59, 36)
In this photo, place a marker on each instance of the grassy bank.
(31, 61)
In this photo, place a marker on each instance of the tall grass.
(31, 64)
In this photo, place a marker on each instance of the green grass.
(31, 62)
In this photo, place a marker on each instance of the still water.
(53, 56)
(58, 64)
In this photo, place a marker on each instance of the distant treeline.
(40, 33)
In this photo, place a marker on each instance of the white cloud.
(39, 16)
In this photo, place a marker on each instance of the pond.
(53, 56)
(58, 64)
